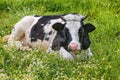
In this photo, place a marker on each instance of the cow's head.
(73, 35)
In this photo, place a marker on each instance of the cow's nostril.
(73, 46)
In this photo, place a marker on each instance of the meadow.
(36, 64)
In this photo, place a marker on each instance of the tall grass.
(38, 65)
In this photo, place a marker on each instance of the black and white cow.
(66, 34)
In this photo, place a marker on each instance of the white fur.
(73, 27)
(73, 24)
(73, 17)
(65, 54)
(18, 32)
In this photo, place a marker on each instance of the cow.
(67, 34)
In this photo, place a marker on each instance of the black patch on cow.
(59, 41)
(67, 35)
(58, 26)
(84, 39)
(37, 31)
(62, 39)
(84, 36)
(89, 27)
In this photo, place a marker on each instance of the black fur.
(84, 36)
(58, 26)
(89, 27)
(59, 41)
(84, 39)
(68, 35)
(37, 31)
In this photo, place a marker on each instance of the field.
(39, 65)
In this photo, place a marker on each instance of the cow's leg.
(88, 52)
(65, 54)
(18, 32)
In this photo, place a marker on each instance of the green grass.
(39, 65)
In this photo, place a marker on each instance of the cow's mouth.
(76, 51)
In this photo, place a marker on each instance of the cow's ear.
(58, 26)
(89, 27)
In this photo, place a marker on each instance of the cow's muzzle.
(73, 47)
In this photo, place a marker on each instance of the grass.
(38, 65)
